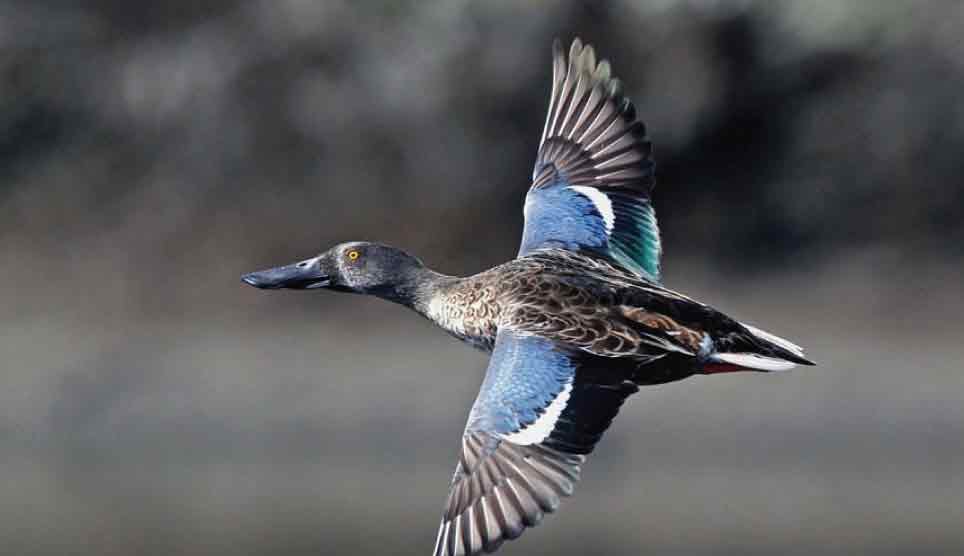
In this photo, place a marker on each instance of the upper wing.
(540, 409)
(594, 171)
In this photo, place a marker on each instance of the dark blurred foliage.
(809, 174)
(818, 127)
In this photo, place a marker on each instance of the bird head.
(356, 267)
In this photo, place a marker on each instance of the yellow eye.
(353, 255)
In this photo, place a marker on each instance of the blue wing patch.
(536, 393)
(619, 226)
(562, 217)
(525, 375)
(538, 412)
(594, 171)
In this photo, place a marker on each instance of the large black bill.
(299, 276)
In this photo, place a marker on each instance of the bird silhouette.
(575, 324)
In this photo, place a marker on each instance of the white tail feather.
(774, 339)
(754, 361)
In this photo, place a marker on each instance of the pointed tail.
(764, 352)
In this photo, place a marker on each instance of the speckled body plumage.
(580, 301)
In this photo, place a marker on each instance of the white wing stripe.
(543, 426)
(603, 205)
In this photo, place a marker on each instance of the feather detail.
(753, 361)
(774, 339)
(500, 491)
(593, 147)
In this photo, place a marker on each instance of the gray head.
(356, 267)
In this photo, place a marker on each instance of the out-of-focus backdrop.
(810, 181)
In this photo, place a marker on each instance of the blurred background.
(809, 170)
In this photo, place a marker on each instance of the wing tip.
(592, 138)
(575, 48)
(526, 482)
(582, 84)
(558, 51)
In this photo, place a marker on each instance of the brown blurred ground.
(809, 169)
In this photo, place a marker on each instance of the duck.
(575, 324)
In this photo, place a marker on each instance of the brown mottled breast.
(469, 309)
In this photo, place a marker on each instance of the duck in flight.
(575, 324)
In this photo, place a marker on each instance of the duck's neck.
(417, 288)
